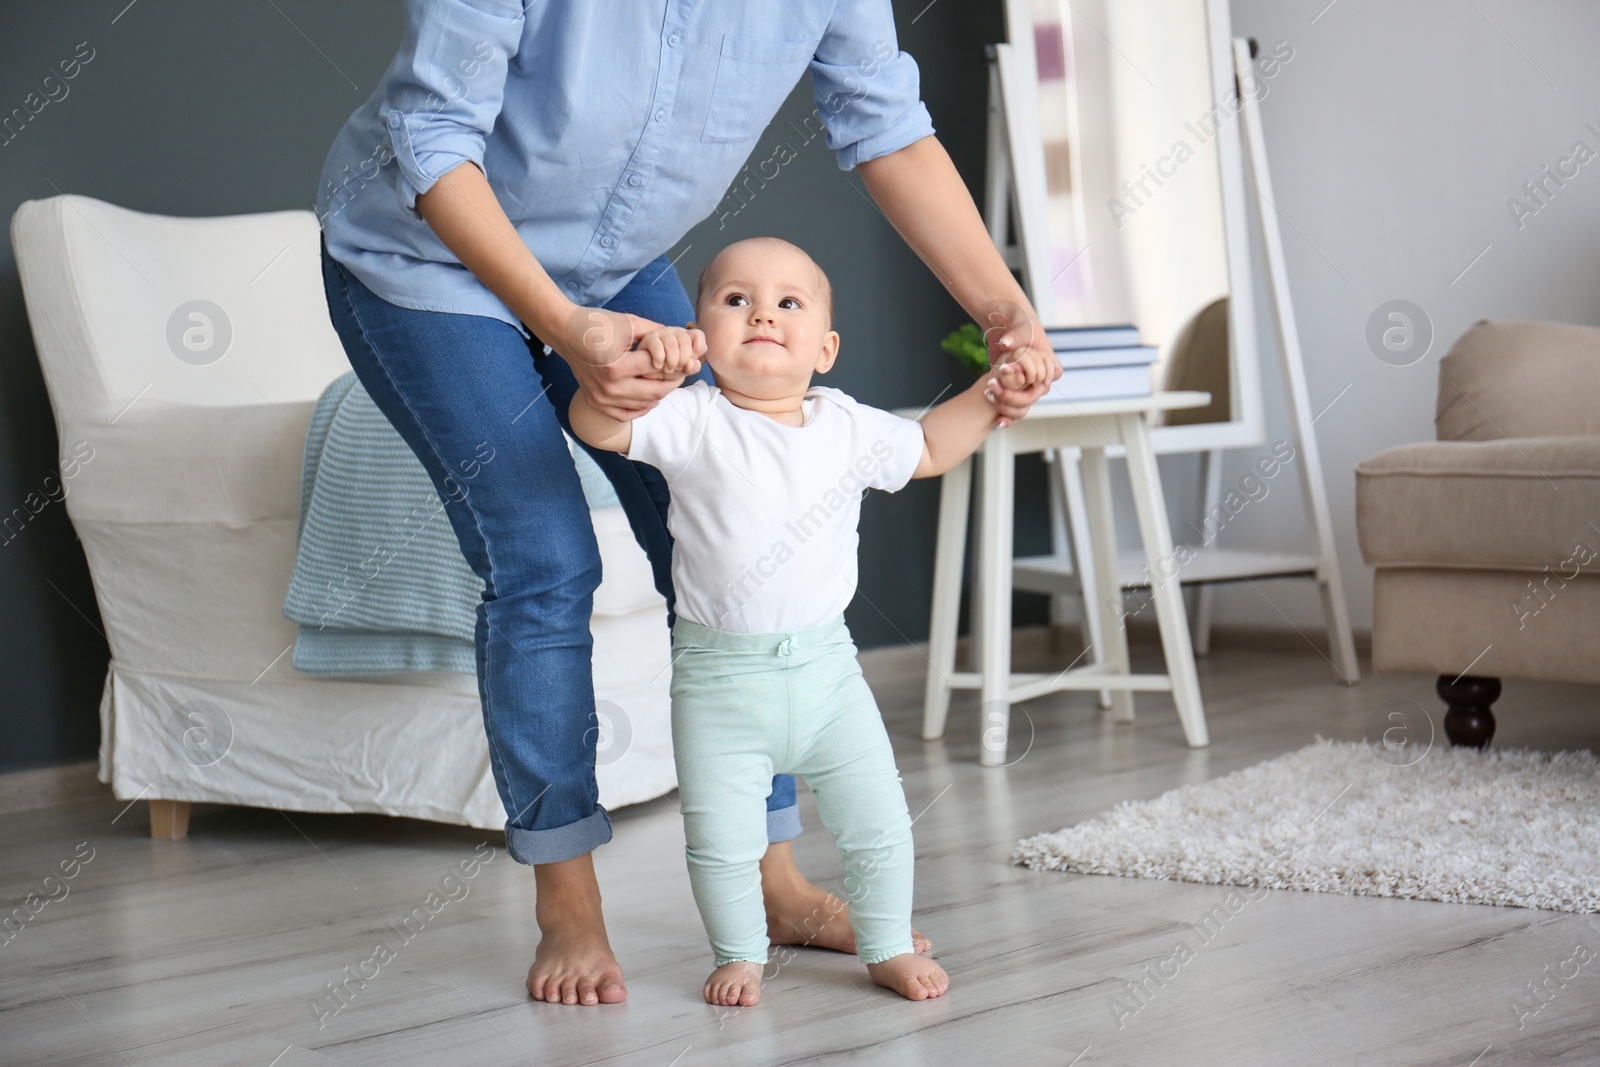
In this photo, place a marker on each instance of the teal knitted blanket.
(379, 582)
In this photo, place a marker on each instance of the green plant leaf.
(966, 344)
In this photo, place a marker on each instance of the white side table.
(1092, 426)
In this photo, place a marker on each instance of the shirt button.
(673, 40)
(634, 179)
(661, 116)
(573, 286)
(394, 121)
(608, 240)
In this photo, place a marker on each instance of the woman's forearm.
(923, 196)
(464, 212)
(597, 344)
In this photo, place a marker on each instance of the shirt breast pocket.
(754, 75)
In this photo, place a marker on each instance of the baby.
(767, 473)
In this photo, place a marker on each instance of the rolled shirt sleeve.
(868, 92)
(446, 86)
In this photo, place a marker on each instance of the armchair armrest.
(1513, 504)
(175, 463)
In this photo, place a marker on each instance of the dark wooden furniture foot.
(1469, 720)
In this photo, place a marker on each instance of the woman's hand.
(620, 379)
(597, 344)
(1023, 362)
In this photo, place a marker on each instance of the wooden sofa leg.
(1469, 720)
(169, 819)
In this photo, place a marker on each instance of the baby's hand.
(674, 350)
(1029, 367)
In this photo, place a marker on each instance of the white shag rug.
(1512, 827)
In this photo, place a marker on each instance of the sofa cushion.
(1515, 503)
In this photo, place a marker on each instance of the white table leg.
(1102, 530)
(1157, 538)
(955, 498)
(994, 612)
(1083, 559)
(1205, 598)
(1059, 537)
(975, 601)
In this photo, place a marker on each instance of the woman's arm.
(464, 212)
(924, 198)
(467, 216)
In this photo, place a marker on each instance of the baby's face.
(765, 321)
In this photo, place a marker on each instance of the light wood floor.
(211, 950)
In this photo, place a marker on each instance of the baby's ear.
(830, 351)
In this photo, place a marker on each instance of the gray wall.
(1396, 136)
(192, 108)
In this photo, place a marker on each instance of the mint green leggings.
(748, 706)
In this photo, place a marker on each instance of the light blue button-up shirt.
(606, 130)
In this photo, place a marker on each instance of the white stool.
(1091, 426)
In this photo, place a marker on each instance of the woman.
(495, 223)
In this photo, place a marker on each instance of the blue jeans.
(484, 411)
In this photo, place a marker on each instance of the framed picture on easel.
(1129, 199)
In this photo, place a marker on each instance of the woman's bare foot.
(912, 976)
(573, 964)
(799, 913)
(736, 983)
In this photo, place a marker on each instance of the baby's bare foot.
(736, 983)
(912, 976)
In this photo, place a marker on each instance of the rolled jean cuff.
(783, 824)
(561, 842)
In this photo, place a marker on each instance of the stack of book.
(1099, 363)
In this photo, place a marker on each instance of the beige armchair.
(1487, 541)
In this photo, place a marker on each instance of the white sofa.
(182, 480)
